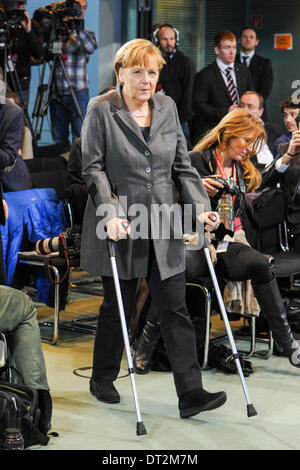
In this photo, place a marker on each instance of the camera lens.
(12, 439)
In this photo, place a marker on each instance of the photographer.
(225, 152)
(77, 48)
(25, 42)
(286, 170)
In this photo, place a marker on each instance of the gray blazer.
(117, 161)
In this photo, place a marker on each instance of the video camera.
(51, 19)
(10, 18)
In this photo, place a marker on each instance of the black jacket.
(262, 74)
(18, 178)
(205, 163)
(76, 190)
(211, 98)
(176, 79)
(289, 183)
(24, 46)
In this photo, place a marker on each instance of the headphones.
(155, 38)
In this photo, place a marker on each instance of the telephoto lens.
(47, 245)
(12, 439)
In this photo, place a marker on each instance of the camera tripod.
(9, 67)
(47, 91)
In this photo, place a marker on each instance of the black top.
(146, 132)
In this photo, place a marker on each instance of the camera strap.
(223, 245)
(66, 256)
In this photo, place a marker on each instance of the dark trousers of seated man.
(176, 327)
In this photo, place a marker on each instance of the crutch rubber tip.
(140, 429)
(251, 411)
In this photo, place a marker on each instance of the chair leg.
(253, 341)
(207, 296)
(56, 309)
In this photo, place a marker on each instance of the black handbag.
(19, 416)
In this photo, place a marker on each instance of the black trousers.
(239, 263)
(177, 329)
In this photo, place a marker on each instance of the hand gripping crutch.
(251, 411)
(140, 428)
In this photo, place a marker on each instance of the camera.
(225, 207)
(67, 242)
(12, 439)
(297, 119)
(10, 19)
(51, 19)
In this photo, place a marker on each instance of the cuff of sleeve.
(281, 167)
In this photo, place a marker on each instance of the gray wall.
(279, 16)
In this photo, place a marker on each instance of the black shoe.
(221, 358)
(104, 392)
(198, 400)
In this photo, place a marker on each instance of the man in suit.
(289, 109)
(260, 67)
(286, 170)
(218, 87)
(177, 75)
(253, 102)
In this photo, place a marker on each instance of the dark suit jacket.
(261, 73)
(289, 183)
(211, 98)
(15, 175)
(177, 78)
(76, 190)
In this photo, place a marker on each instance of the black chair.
(45, 173)
(49, 173)
(48, 151)
(267, 211)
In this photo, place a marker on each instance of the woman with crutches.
(135, 155)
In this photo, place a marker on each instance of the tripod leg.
(140, 429)
(251, 411)
(16, 85)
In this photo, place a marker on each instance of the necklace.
(138, 115)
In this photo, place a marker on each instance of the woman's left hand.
(211, 220)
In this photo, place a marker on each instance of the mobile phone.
(297, 119)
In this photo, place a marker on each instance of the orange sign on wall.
(283, 41)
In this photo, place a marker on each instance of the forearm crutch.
(140, 428)
(251, 411)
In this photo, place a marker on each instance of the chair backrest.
(267, 211)
(49, 173)
(37, 165)
(48, 151)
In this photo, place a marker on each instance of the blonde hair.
(136, 52)
(238, 123)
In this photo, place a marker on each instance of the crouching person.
(18, 320)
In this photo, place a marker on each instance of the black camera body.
(297, 119)
(10, 19)
(68, 243)
(50, 19)
(225, 207)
